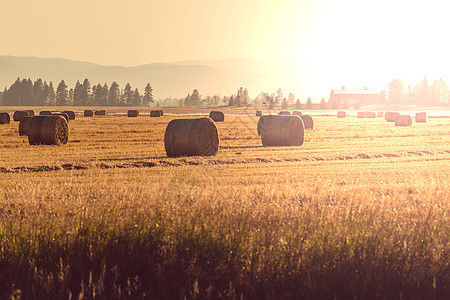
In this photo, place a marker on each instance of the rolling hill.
(176, 79)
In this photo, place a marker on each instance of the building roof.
(355, 92)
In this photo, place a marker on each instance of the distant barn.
(351, 98)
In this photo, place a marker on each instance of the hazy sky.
(353, 41)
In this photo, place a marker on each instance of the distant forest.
(423, 93)
(40, 93)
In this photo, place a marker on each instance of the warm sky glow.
(346, 42)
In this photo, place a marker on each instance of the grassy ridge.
(317, 221)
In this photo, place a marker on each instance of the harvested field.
(360, 202)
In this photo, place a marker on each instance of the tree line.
(423, 93)
(24, 92)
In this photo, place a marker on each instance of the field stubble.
(361, 210)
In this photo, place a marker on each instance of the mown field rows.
(361, 210)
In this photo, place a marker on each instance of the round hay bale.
(284, 113)
(371, 114)
(101, 112)
(390, 116)
(259, 113)
(380, 114)
(45, 113)
(361, 115)
(88, 113)
(189, 137)
(19, 114)
(133, 113)
(70, 113)
(307, 121)
(155, 113)
(4, 118)
(66, 116)
(421, 117)
(296, 113)
(341, 114)
(23, 125)
(48, 130)
(162, 113)
(403, 120)
(30, 112)
(217, 116)
(276, 130)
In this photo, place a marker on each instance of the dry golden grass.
(361, 210)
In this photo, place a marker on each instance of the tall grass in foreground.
(201, 237)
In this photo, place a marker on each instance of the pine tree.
(86, 94)
(127, 95)
(309, 104)
(104, 96)
(291, 98)
(148, 95)
(12, 95)
(137, 101)
(61, 94)
(323, 103)
(78, 94)
(38, 89)
(231, 101)
(284, 105)
(114, 94)
(70, 97)
(27, 92)
(97, 91)
(279, 96)
(50, 95)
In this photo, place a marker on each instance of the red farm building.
(351, 98)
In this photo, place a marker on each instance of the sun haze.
(335, 43)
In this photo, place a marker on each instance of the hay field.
(361, 210)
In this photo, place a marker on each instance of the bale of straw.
(390, 116)
(23, 125)
(307, 121)
(48, 130)
(259, 113)
(276, 130)
(101, 112)
(371, 114)
(45, 113)
(88, 113)
(19, 114)
(284, 113)
(341, 114)
(361, 115)
(70, 113)
(421, 117)
(4, 118)
(403, 120)
(217, 116)
(296, 113)
(188, 137)
(66, 116)
(162, 113)
(30, 112)
(133, 113)
(155, 113)
(380, 114)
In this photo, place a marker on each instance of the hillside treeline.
(24, 92)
